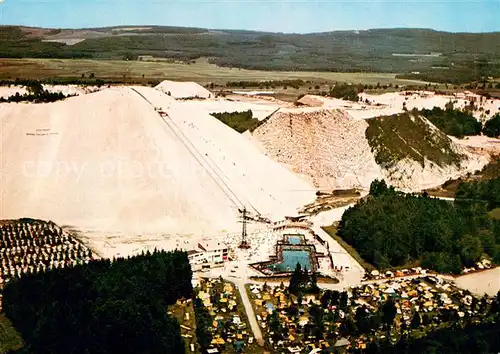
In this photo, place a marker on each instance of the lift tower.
(244, 243)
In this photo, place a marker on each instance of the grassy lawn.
(201, 72)
(10, 340)
(332, 231)
(188, 329)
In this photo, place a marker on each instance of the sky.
(290, 16)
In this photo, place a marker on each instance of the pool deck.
(278, 259)
(294, 239)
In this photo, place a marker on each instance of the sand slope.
(183, 89)
(392, 103)
(327, 145)
(330, 146)
(108, 161)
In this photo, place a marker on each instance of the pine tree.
(314, 284)
(389, 312)
(415, 321)
(294, 287)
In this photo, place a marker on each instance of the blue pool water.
(294, 239)
(290, 260)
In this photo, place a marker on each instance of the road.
(249, 310)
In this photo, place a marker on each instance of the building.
(208, 254)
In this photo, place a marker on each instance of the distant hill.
(417, 53)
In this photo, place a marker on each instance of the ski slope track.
(110, 162)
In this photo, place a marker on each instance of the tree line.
(346, 92)
(453, 121)
(102, 307)
(239, 121)
(267, 84)
(36, 93)
(457, 339)
(203, 324)
(487, 191)
(392, 229)
(460, 123)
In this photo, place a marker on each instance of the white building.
(208, 254)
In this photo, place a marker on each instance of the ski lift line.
(186, 139)
(191, 152)
(224, 175)
(196, 157)
(236, 203)
(214, 167)
(211, 166)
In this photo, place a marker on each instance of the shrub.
(346, 92)
(453, 122)
(239, 121)
(492, 126)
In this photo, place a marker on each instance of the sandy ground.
(178, 89)
(325, 144)
(72, 89)
(491, 145)
(260, 108)
(68, 41)
(325, 140)
(6, 91)
(340, 255)
(485, 282)
(127, 178)
(109, 165)
(392, 103)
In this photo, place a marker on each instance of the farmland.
(143, 72)
(442, 56)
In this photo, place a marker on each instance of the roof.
(342, 342)
(211, 245)
(190, 252)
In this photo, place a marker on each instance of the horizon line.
(248, 30)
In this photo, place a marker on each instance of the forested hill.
(392, 229)
(441, 56)
(118, 306)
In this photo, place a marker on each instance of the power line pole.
(244, 242)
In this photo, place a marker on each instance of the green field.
(420, 54)
(10, 340)
(144, 71)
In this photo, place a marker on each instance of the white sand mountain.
(331, 147)
(108, 161)
(326, 145)
(178, 89)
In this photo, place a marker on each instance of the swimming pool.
(295, 239)
(290, 260)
